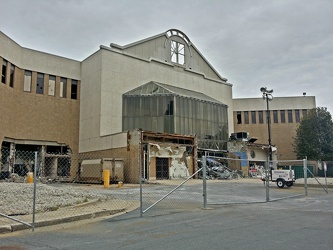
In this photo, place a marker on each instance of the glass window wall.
(178, 115)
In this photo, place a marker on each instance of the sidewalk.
(89, 210)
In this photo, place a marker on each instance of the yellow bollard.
(120, 184)
(106, 178)
(30, 177)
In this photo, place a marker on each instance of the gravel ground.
(17, 198)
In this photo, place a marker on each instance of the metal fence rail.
(38, 187)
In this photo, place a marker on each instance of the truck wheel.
(289, 184)
(280, 183)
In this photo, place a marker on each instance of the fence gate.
(223, 185)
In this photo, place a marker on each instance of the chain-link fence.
(218, 183)
(38, 187)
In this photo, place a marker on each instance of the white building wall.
(38, 61)
(277, 103)
(113, 74)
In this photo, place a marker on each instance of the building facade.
(39, 96)
(57, 105)
(285, 114)
(161, 86)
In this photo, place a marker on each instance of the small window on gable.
(177, 52)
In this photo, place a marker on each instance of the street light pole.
(267, 94)
(269, 128)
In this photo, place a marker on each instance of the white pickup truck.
(283, 177)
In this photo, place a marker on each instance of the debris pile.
(217, 170)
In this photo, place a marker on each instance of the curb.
(43, 223)
(313, 185)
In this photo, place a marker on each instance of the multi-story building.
(105, 103)
(250, 115)
(163, 83)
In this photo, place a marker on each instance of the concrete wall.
(277, 103)
(120, 73)
(38, 61)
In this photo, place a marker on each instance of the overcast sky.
(285, 45)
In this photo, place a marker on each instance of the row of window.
(27, 82)
(279, 116)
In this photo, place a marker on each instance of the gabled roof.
(157, 89)
(167, 34)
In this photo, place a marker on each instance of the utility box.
(117, 170)
(92, 170)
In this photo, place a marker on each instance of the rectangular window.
(11, 75)
(239, 117)
(4, 71)
(40, 83)
(304, 112)
(297, 116)
(27, 81)
(275, 116)
(52, 80)
(74, 89)
(283, 116)
(253, 117)
(290, 116)
(177, 52)
(261, 117)
(246, 117)
(63, 87)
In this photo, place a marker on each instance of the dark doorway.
(162, 168)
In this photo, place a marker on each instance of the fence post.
(34, 198)
(305, 168)
(140, 173)
(267, 176)
(204, 186)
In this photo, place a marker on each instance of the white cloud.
(284, 44)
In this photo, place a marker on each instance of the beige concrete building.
(151, 103)
(39, 96)
(163, 83)
(285, 115)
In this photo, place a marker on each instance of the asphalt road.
(299, 222)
